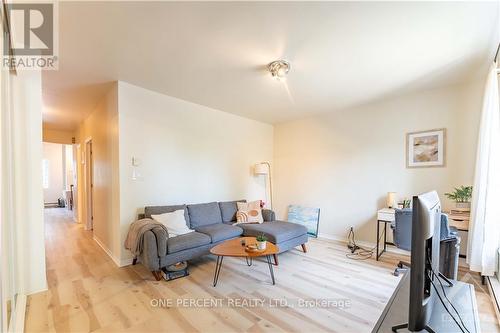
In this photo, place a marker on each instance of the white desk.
(385, 216)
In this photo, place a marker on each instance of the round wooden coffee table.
(234, 248)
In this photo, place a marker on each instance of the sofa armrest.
(154, 246)
(268, 215)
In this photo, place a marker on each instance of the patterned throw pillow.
(249, 212)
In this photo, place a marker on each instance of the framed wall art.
(426, 149)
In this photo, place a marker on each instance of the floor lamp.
(264, 168)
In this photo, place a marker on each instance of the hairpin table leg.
(270, 264)
(218, 266)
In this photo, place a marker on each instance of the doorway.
(89, 185)
(53, 174)
(58, 176)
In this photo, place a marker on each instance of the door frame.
(89, 185)
(76, 181)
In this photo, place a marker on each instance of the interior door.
(89, 163)
(74, 182)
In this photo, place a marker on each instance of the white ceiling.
(342, 54)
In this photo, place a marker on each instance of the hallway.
(82, 280)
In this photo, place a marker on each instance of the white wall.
(189, 153)
(101, 126)
(53, 152)
(57, 136)
(346, 162)
(68, 167)
(22, 195)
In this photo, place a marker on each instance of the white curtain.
(484, 230)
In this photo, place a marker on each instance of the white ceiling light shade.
(279, 68)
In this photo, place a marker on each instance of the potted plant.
(261, 242)
(406, 203)
(461, 196)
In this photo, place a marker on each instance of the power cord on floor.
(462, 327)
(358, 252)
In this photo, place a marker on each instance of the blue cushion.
(187, 241)
(220, 231)
(204, 214)
(402, 228)
(228, 210)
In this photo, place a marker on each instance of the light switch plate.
(136, 161)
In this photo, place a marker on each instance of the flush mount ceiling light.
(279, 68)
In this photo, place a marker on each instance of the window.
(45, 173)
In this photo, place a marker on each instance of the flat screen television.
(425, 239)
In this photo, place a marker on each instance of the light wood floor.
(88, 293)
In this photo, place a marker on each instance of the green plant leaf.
(460, 194)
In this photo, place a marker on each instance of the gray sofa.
(212, 223)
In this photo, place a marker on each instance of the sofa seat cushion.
(187, 241)
(204, 214)
(220, 231)
(276, 231)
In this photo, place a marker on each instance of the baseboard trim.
(108, 251)
(126, 262)
(331, 237)
(344, 240)
(118, 262)
(367, 245)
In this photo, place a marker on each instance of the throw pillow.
(174, 221)
(249, 212)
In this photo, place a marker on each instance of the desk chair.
(449, 249)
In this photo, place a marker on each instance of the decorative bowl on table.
(252, 248)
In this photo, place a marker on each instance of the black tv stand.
(398, 327)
